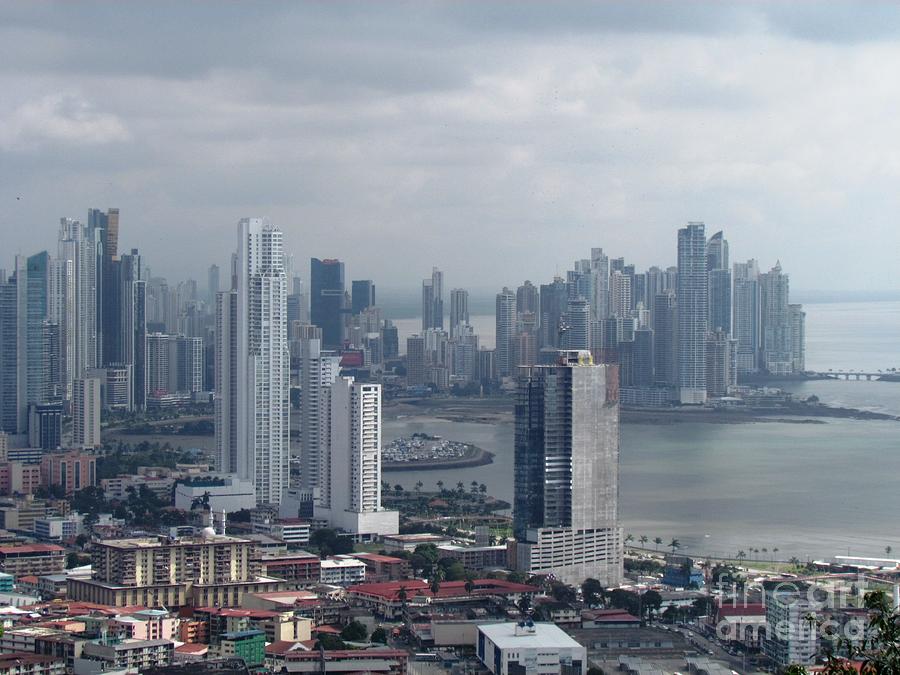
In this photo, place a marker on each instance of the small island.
(422, 452)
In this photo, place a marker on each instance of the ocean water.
(810, 490)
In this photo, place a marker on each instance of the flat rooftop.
(547, 635)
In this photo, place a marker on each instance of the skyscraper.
(527, 300)
(352, 500)
(9, 373)
(721, 360)
(415, 361)
(212, 284)
(134, 325)
(746, 326)
(777, 348)
(600, 272)
(459, 311)
(566, 471)
(226, 369)
(665, 327)
(261, 381)
(505, 319)
(318, 371)
(433, 300)
(719, 283)
(327, 300)
(619, 294)
(553, 299)
(577, 333)
(693, 313)
(86, 413)
(362, 295)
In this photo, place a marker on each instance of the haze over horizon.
(496, 144)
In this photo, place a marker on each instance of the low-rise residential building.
(19, 478)
(130, 655)
(31, 664)
(249, 645)
(740, 623)
(509, 648)
(292, 531)
(276, 625)
(477, 557)
(343, 571)
(59, 528)
(390, 661)
(299, 570)
(32, 559)
(72, 471)
(381, 568)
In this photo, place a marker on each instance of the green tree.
(593, 592)
(72, 560)
(354, 632)
(643, 539)
(330, 642)
(887, 551)
(379, 635)
(627, 600)
(658, 541)
(440, 485)
(651, 602)
(674, 545)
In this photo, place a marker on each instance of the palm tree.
(469, 586)
(741, 555)
(629, 538)
(887, 551)
(643, 539)
(440, 485)
(460, 487)
(774, 553)
(482, 489)
(658, 541)
(419, 485)
(436, 580)
(674, 545)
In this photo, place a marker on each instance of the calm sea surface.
(810, 490)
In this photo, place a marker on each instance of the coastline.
(479, 457)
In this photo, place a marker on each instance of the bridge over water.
(856, 375)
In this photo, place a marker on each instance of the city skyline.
(596, 130)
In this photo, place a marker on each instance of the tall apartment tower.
(415, 361)
(775, 333)
(263, 361)
(528, 300)
(746, 324)
(354, 452)
(719, 283)
(798, 337)
(619, 294)
(577, 324)
(327, 300)
(600, 272)
(693, 313)
(665, 328)
(9, 372)
(318, 371)
(505, 331)
(212, 284)
(226, 378)
(566, 471)
(433, 300)
(554, 298)
(459, 311)
(134, 325)
(86, 413)
(81, 248)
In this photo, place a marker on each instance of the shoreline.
(480, 457)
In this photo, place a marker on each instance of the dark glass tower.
(327, 300)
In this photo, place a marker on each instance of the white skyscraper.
(354, 453)
(256, 393)
(505, 330)
(86, 413)
(318, 371)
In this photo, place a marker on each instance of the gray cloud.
(497, 140)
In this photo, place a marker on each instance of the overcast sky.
(498, 141)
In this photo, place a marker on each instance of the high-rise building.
(528, 300)
(719, 283)
(619, 294)
(159, 353)
(134, 326)
(318, 371)
(256, 392)
(777, 348)
(362, 295)
(459, 311)
(415, 361)
(390, 340)
(81, 248)
(86, 413)
(327, 300)
(693, 313)
(665, 328)
(798, 337)
(566, 471)
(600, 273)
(721, 363)
(505, 318)
(643, 363)
(212, 284)
(553, 299)
(746, 326)
(353, 499)
(433, 300)
(9, 361)
(226, 378)
(577, 334)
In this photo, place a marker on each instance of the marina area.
(422, 451)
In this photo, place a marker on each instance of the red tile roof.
(31, 548)
(285, 646)
(377, 557)
(390, 590)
